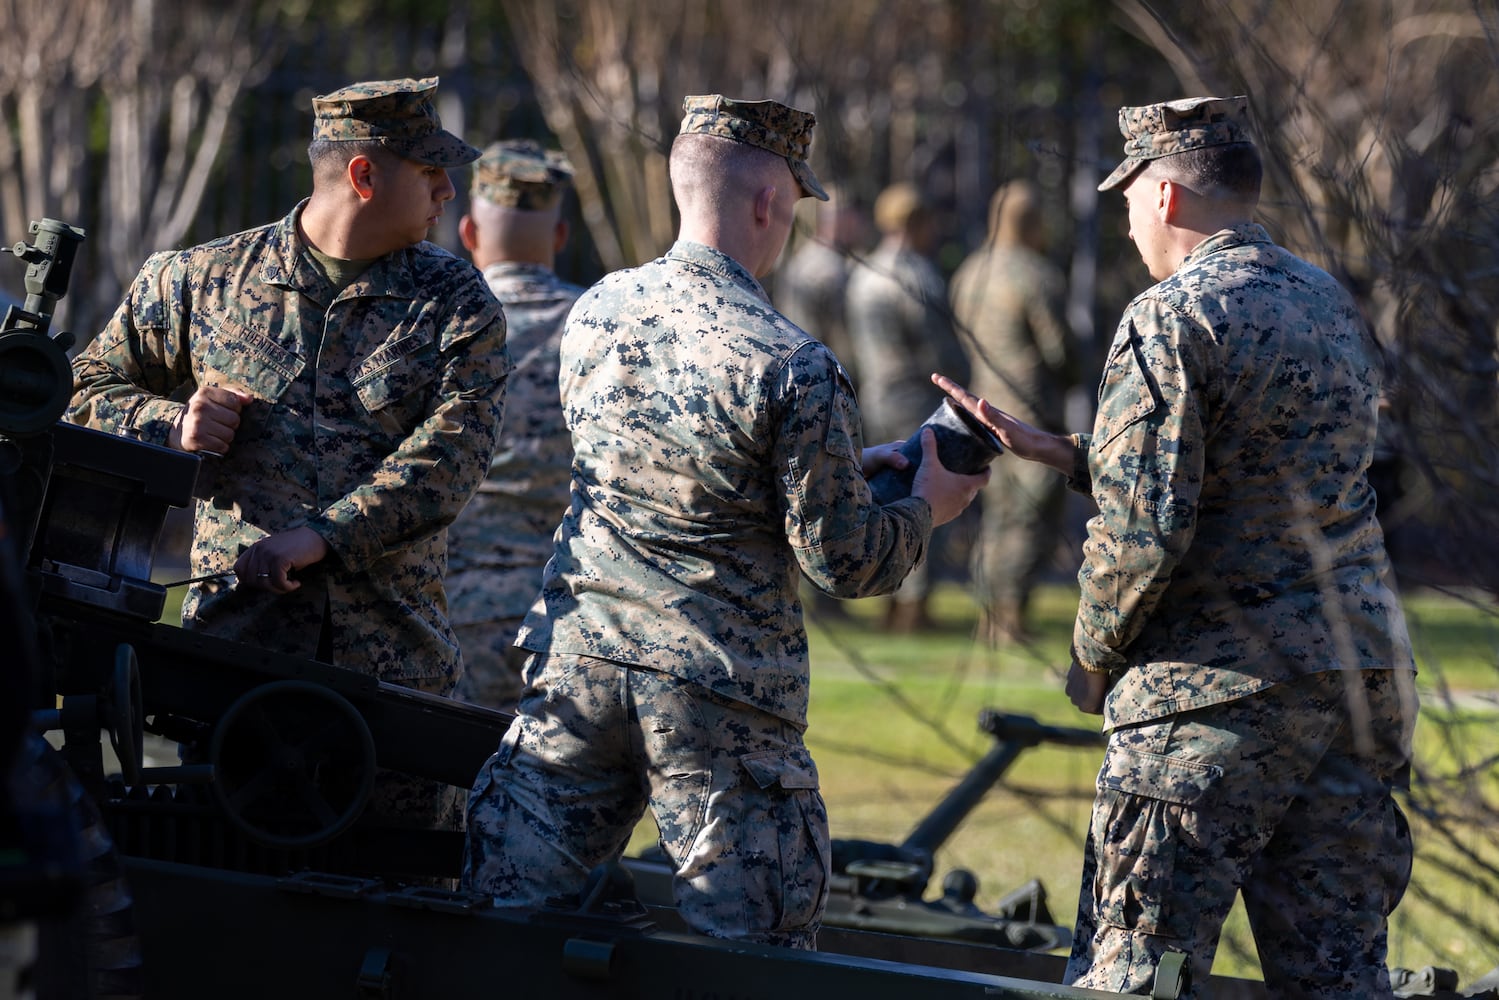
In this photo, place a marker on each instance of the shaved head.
(517, 234)
(711, 175)
(329, 158)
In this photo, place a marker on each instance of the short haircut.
(1227, 172)
(334, 154)
(511, 229)
(708, 169)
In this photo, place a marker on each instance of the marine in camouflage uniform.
(901, 329)
(718, 452)
(355, 415)
(499, 544)
(1235, 628)
(1009, 298)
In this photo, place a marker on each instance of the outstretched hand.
(1022, 440)
(884, 456)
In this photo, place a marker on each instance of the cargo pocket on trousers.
(789, 780)
(1146, 817)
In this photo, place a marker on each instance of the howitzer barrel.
(1014, 733)
(1025, 730)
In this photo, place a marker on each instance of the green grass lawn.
(894, 727)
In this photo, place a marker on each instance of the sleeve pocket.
(1127, 395)
(843, 422)
(790, 769)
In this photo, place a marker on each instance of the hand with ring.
(283, 553)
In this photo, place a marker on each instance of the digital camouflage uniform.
(499, 544)
(1234, 584)
(718, 453)
(1009, 299)
(374, 415)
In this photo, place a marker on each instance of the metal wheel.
(293, 764)
(124, 717)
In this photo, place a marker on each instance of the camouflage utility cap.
(768, 124)
(1157, 130)
(398, 114)
(518, 173)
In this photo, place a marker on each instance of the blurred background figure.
(811, 285)
(499, 545)
(1011, 302)
(900, 325)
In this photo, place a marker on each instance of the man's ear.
(361, 174)
(468, 233)
(1170, 201)
(764, 198)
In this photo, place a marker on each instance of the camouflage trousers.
(491, 663)
(733, 790)
(1283, 796)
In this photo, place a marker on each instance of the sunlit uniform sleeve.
(1145, 463)
(846, 544)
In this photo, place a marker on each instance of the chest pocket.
(395, 382)
(1127, 393)
(241, 357)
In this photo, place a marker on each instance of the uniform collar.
(710, 259)
(289, 264)
(1237, 235)
(518, 271)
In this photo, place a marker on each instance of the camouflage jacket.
(499, 544)
(1009, 301)
(373, 420)
(717, 452)
(1235, 544)
(899, 323)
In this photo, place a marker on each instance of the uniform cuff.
(1095, 657)
(349, 541)
(153, 420)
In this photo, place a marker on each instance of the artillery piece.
(251, 867)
